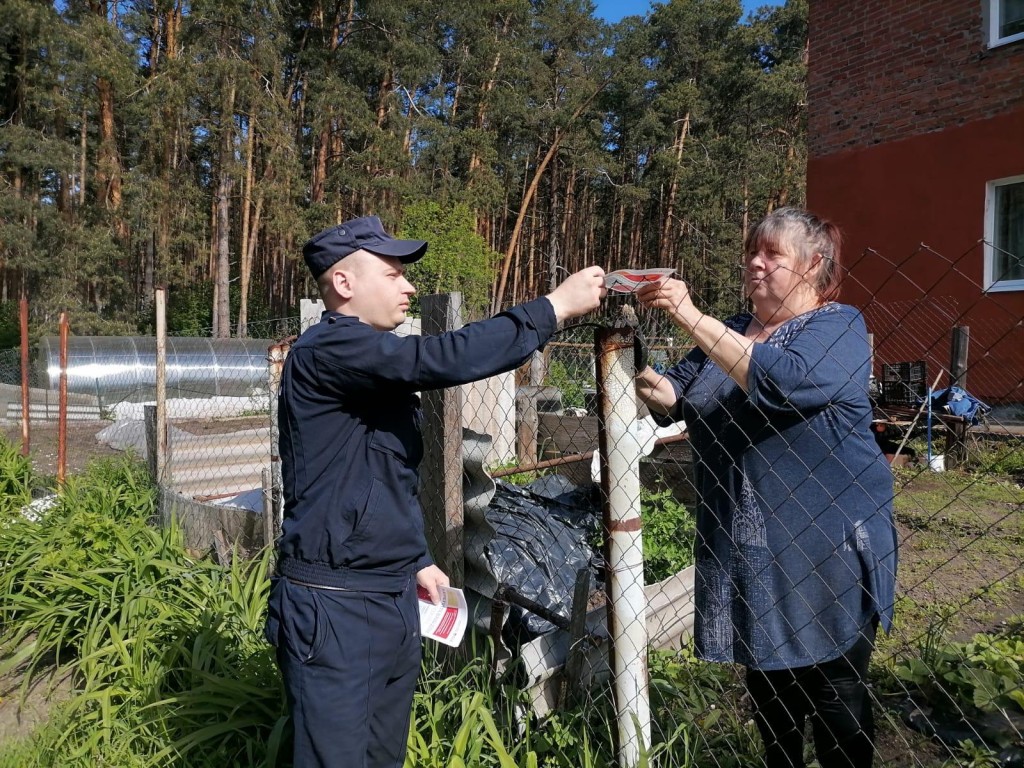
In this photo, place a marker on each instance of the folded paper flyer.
(446, 621)
(628, 280)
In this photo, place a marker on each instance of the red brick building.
(916, 149)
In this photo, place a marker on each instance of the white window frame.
(992, 285)
(990, 15)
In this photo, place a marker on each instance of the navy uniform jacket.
(350, 439)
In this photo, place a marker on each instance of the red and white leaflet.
(446, 621)
(628, 280)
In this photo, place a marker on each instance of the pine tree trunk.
(108, 163)
(244, 265)
(665, 250)
(222, 274)
(517, 229)
(486, 88)
(554, 257)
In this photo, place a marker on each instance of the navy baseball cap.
(365, 233)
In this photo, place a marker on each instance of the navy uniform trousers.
(349, 661)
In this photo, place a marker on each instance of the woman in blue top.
(795, 548)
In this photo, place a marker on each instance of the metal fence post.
(620, 480)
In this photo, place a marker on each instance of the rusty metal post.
(276, 355)
(62, 402)
(25, 399)
(163, 463)
(620, 481)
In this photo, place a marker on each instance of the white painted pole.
(620, 479)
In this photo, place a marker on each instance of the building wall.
(881, 70)
(909, 116)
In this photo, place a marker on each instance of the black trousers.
(349, 661)
(833, 694)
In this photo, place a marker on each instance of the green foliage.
(465, 719)
(16, 483)
(569, 383)
(518, 478)
(164, 652)
(971, 755)
(699, 715)
(981, 675)
(190, 309)
(669, 529)
(537, 117)
(10, 326)
(457, 259)
(999, 458)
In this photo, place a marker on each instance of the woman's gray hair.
(810, 234)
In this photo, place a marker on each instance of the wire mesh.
(943, 684)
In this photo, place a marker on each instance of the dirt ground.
(83, 447)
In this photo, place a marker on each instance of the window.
(1004, 234)
(1004, 21)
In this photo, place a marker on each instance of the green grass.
(169, 668)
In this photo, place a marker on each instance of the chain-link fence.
(784, 565)
(783, 490)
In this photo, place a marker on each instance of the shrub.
(668, 534)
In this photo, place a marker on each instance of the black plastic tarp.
(542, 538)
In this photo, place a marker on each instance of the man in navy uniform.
(343, 609)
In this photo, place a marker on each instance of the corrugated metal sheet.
(123, 368)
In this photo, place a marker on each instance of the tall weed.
(16, 481)
(165, 651)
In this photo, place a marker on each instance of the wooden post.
(527, 426)
(572, 683)
(161, 462)
(441, 471)
(276, 355)
(269, 532)
(25, 399)
(149, 420)
(956, 438)
(62, 403)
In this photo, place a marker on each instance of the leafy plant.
(571, 383)
(164, 652)
(453, 721)
(668, 533)
(698, 714)
(968, 680)
(16, 481)
(458, 258)
(973, 755)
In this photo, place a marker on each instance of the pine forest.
(196, 144)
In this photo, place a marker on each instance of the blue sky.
(613, 10)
